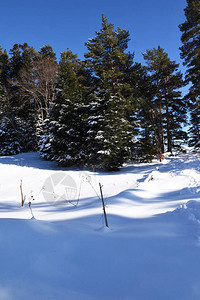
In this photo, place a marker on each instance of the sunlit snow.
(151, 249)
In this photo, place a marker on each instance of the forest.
(106, 109)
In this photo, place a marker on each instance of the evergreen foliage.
(190, 52)
(15, 135)
(169, 109)
(104, 110)
(18, 119)
(110, 132)
(144, 148)
(66, 126)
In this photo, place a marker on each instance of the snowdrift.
(150, 250)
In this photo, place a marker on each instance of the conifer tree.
(65, 138)
(190, 52)
(110, 132)
(18, 117)
(142, 95)
(4, 71)
(47, 51)
(22, 57)
(1, 78)
(169, 111)
(4, 75)
(9, 143)
(27, 89)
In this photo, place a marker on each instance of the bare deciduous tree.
(37, 83)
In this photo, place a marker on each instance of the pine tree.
(4, 75)
(17, 120)
(27, 90)
(9, 144)
(110, 132)
(22, 57)
(142, 94)
(47, 51)
(190, 52)
(1, 71)
(169, 111)
(4, 71)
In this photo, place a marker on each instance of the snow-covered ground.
(150, 251)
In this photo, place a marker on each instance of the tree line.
(105, 109)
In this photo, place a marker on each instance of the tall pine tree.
(190, 52)
(169, 111)
(142, 113)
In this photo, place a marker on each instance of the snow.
(151, 249)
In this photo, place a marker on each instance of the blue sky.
(68, 24)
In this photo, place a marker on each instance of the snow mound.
(150, 250)
(191, 210)
(193, 182)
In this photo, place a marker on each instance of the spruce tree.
(18, 120)
(65, 137)
(190, 53)
(9, 143)
(110, 132)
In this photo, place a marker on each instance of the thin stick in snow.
(22, 196)
(104, 210)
